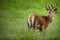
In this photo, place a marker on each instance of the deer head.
(51, 10)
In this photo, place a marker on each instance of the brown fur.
(41, 22)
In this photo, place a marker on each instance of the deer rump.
(37, 21)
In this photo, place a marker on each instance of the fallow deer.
(41, 22)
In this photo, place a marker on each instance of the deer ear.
(47, 7)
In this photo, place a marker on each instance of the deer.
(41, 22)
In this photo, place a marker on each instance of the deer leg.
(29, 25)
(40, 29)
(33, 29)
(35, 26)
(43, 29)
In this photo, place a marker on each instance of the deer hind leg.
(33, 23)
(29, 25)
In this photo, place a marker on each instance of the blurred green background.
(13, 20)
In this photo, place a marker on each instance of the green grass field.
(13, 20)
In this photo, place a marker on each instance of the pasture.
(13, 20)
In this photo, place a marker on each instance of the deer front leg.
(33, 27)
(43, 29)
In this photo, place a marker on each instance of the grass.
(13, 20)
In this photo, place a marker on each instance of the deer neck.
(51, 17)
